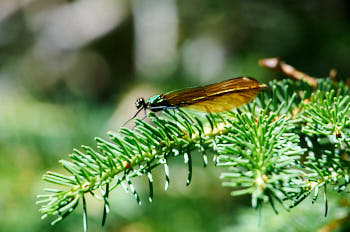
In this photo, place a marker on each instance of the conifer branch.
(291, 141)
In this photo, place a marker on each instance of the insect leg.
(134, 116)
(173, 111)
(145, 116)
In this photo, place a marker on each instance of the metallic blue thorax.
(155, 100)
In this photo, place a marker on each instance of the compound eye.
(139, 103)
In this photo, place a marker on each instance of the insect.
(219, 97)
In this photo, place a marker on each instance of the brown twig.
(333, 74)
(276, 64)
(335, 224)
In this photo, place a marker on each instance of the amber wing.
(219, 97)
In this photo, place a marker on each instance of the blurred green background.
(71, 70)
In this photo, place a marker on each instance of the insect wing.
(219, 97)
(225, 102)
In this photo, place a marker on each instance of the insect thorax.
(156, 100)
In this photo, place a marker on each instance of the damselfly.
(219, 97)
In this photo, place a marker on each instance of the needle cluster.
(292, 140)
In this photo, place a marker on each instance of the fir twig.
(291, 141)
